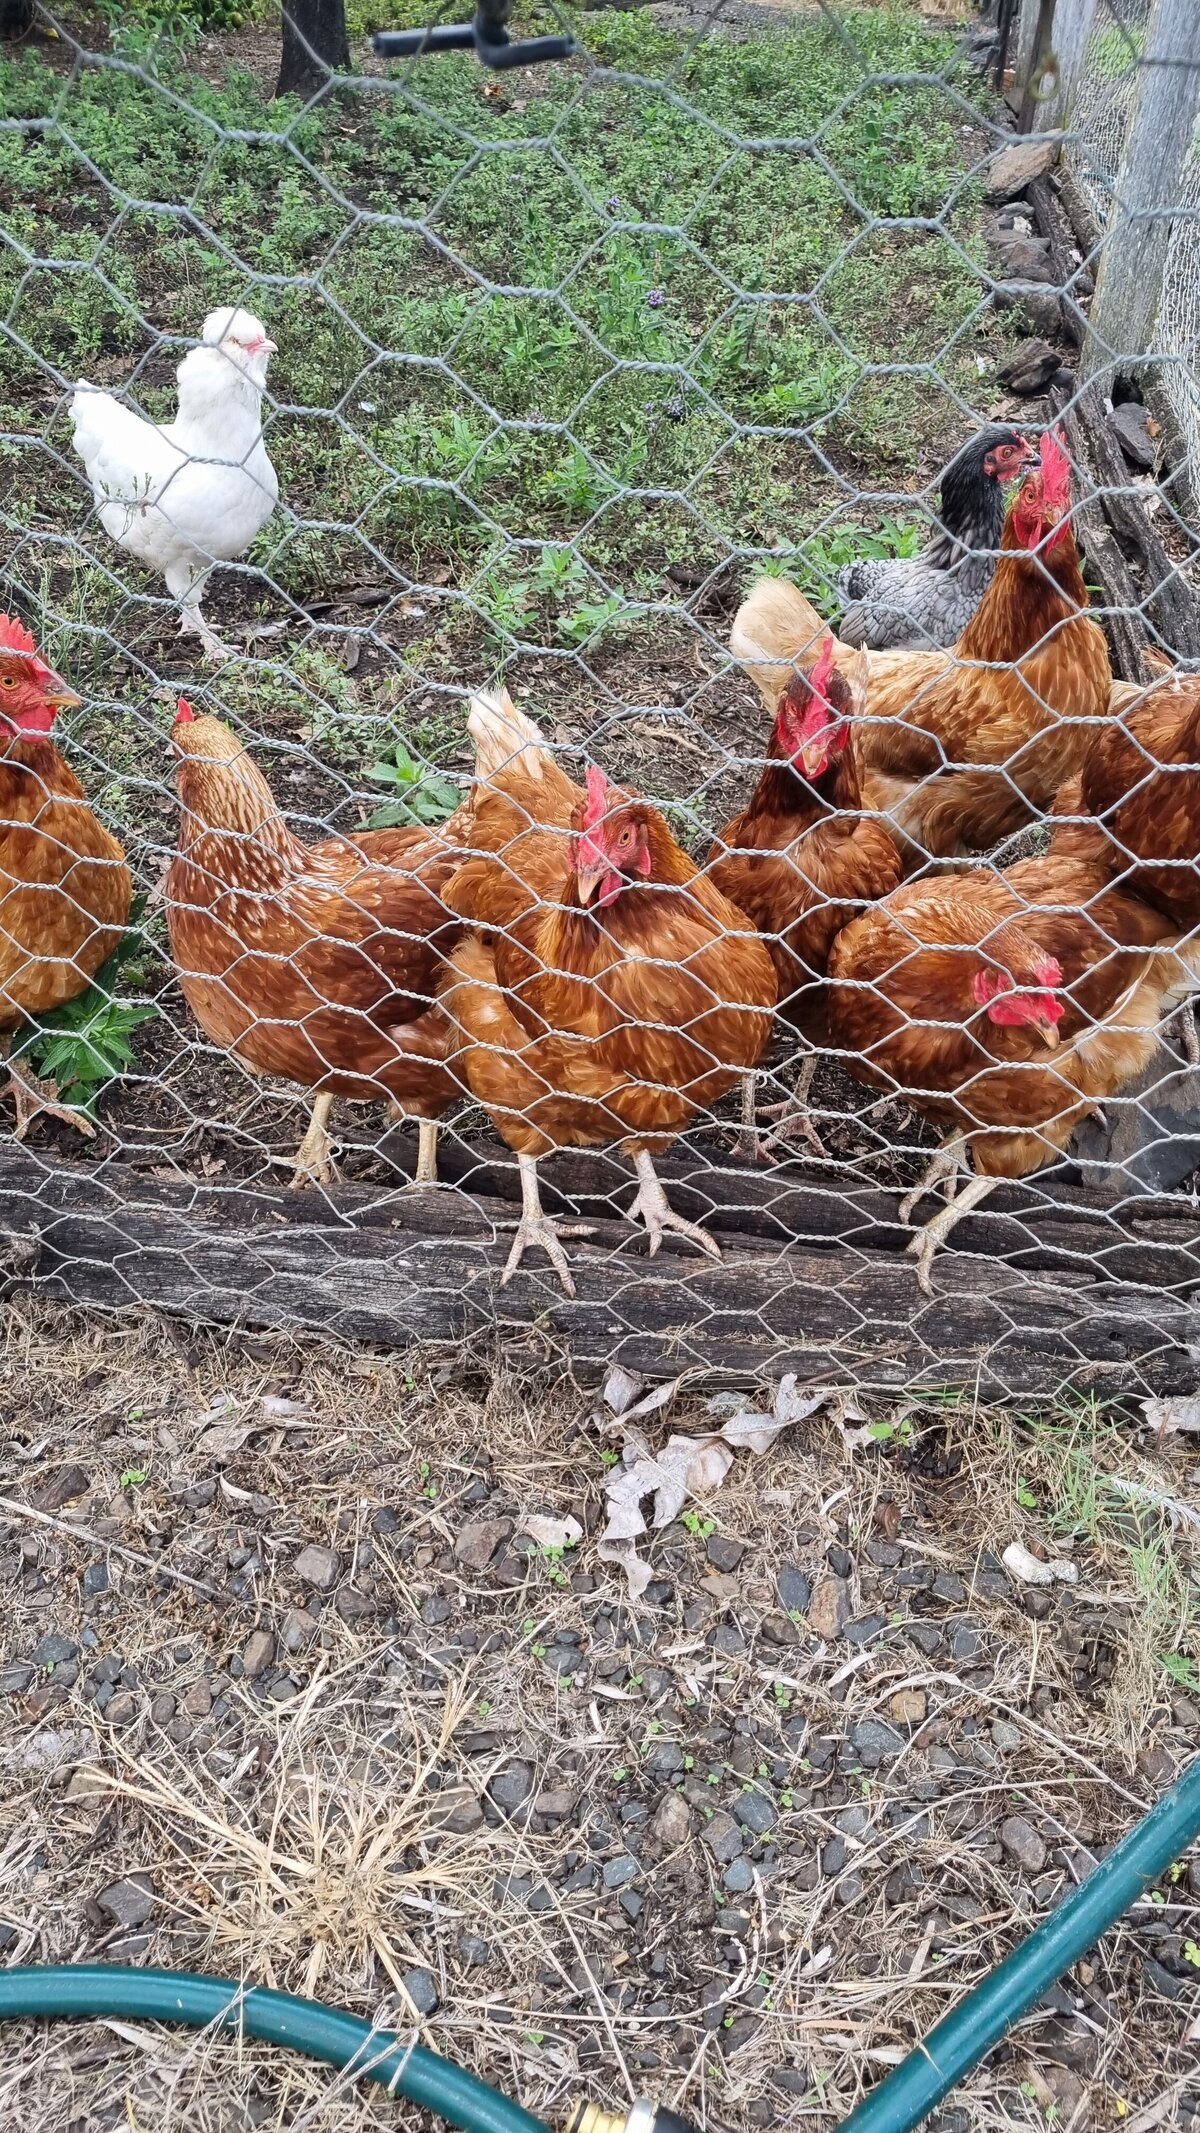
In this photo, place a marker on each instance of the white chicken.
(182, 496)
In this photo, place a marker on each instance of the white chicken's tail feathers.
(504, 738)
(775, 632)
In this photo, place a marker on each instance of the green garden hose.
(966, 2036)
(342, 2040)
(79, 1990)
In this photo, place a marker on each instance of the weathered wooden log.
(391, 1266)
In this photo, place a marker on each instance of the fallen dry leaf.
(1167, 1416)
(552, 1532)
(686, 1466)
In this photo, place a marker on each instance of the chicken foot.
(536, 1227)
(653, 1208)
(33, 1098)
(193, 624)
(795, 1121)
(314, 1156)
(948, 1167)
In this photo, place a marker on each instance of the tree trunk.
(314, 44)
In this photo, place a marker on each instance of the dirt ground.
(287, 1695)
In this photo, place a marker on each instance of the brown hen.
(315, 962)
(65, 890)
(954, 991)
(612, 993)
(802, 857)
(962, 748)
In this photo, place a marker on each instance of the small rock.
(755, 1812)
(421, 1987)
(633, 1903)
(478, 1542)
(1165, 1981)
(459, 1811)
(14, 1680)
(1030, 370)
(723, 1837)
(64, 1487)
(733, 1922)
(724, 1554)
(50, 1749)
(129, 1902)
(53, 1649)
(163, 1708)
(197, 1703)
(672, 1820)
(619, 1872)
(555, 1803)
(511, 1787)
(296, 1628)
(829, 1610)
(833, 1856)
(1131, 424)
(738, 1878)
(794, 1590)
(948, 1587)
(1015, 168)
(875, 1741)
(95, 1579)
(1023, 1844)
(1006, 1739)
(474, 1950)
(258, 1653)
(318, 1567)
(909, 1706)
(121, 1709)
(850, 1890)
(1025, 259)
(966, 1643)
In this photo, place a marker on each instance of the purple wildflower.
(655, 299)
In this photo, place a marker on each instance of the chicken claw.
(536, 1227)
(795, 1120)
(946, 1168)
(963, 1192)
(193, 624)
(32, 1098)
(314, 1156)
(652, 1206)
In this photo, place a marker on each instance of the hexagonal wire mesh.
(567, 367)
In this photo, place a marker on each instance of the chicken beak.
(813, 758)
(1048, 1032)
(270, 348)
(56, 692)
(588, 883)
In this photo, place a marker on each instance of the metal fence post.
(1148, 190)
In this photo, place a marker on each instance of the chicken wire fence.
(1102, 124)
(594, 396)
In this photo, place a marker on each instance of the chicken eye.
(9, 681)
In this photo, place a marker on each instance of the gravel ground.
(286, 1694)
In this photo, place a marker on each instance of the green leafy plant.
(697, 1524)
(418, 793)
(87, 1042)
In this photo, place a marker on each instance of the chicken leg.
(793, 1116)
(314, 1156)
(654, 1210)
(32, 1097)
(948, 1166)
(188, 588)
(535, 1227)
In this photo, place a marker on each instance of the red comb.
(14, 637)
(1056, 467)
(185, 713)
(818, 680)
(597, 797)
(1049, 971)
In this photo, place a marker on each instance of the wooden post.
(1148, 191)
(1074, 21)
(1036, 45)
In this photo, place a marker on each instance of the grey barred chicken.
(929, 599)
